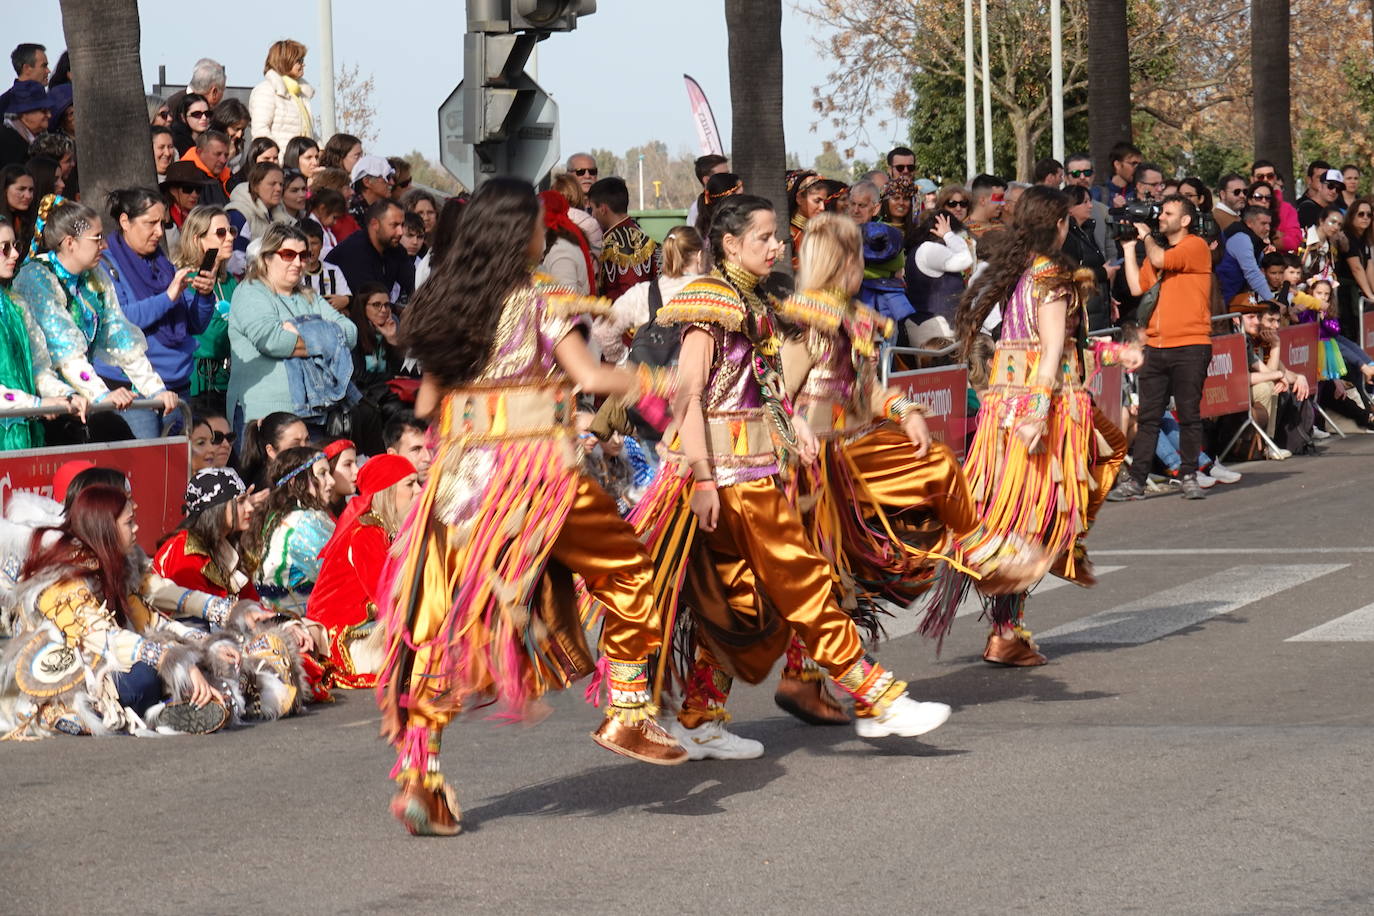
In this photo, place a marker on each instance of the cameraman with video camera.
(1178, 346)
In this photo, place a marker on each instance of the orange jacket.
(192, 156)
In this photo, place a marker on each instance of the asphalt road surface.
(1201, 742)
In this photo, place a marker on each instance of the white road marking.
(1189, 604)
(1357, 626)
(906, 620)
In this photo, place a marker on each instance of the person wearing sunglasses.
(583, 166)
(1287, 231)
(901, 162)
(190, 119)
(266, 318)
(212, 442)
(1324, 187)
(76, 305)
(1078, 171)
(207, 229)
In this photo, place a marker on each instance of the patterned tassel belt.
(509, 412)
(739, 435)
(1019, 368)
(831, 419)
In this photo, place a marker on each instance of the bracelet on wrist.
(701, 485)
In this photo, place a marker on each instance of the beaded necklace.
(766, 360)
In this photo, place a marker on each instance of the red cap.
(63, 478)
(338, 447)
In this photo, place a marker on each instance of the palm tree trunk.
(1109, 82)
(1269, 60)
(758, 150)
(107, 84)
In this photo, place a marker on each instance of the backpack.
(653, 344)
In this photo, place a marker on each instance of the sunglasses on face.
(1261, 196)
(1335, 185)
(403, 184)
(290, 254)
(957, 203)
(197, 115)
(220, 233)
(904, 168)
(591, 172)
(1364, 214)
(219, 438)
(186, 188)
(1266, 176)
(998, 198)
(1080, 173)
(8, 248)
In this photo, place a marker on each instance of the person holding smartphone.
(170, 305)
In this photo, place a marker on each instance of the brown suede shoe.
(1083, 574)
(1014, 652)
(644, 740)
(427, 812)
(809, 701)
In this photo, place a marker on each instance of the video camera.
(1121, 221)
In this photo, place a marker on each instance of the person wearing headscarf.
(349, 589)
(567, 257)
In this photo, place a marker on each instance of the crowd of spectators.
(260, 279)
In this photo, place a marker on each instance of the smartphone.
(207, 263)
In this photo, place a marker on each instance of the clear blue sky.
(617, 78)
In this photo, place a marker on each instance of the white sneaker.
(905, 717)
(1319, 433)
(1222, 474)
(1277, 454)
(711, 740)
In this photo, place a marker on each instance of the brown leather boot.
(809, 701)
(644, 740)
(1012, 651)
(427, 812)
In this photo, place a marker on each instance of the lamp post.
(970, 117)
(1057, 80)
(987, 92)
(328, 123)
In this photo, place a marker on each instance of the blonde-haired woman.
(684, 260)
(263, 333)
(280, 104)
(568, 185)
(207, 229)
(886, 503)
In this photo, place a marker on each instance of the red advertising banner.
(1227, 389)
(1298, 350)
(157, 469)
(943, 394)
(1367, 332)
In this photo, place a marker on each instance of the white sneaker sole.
(929, 717)
(712, 750)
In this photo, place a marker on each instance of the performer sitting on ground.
(346, 596)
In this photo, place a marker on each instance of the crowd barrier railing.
(157, 468)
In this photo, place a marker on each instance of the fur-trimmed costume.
(479, 596)
(732, 598)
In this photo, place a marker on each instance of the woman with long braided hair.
(736, 575)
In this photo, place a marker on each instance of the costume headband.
(290, 475)
(210, 487)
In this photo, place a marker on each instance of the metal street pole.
(641, 182)
(987, 92)
(970, 116)
(328, 124)
(1057, 79)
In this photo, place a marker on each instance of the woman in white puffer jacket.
(280, 104)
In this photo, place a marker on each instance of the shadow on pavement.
(695, 788)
